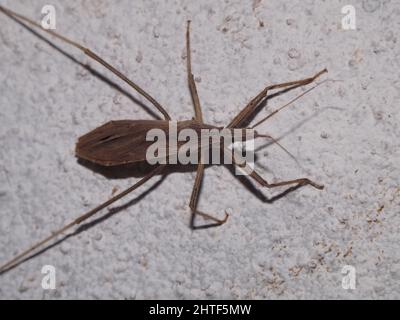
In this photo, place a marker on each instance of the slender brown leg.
(92, 55)
(286, 105)
(199, 117)
(192, 84)
(80, 219)
(252, 105)
(254, 175)
(299, 182)
(194, 201)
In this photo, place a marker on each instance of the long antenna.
(275, 141)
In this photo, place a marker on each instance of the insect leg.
(18, 259)
(192, 84)
(299, 182)
(92, 55)
(194, 201)
(287, 104)
(251, 107)
(254, 175)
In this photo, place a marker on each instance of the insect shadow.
(138, 170)
(88, 225)
(92, 71)
(88, 146)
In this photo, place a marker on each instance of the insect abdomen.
(117, 142)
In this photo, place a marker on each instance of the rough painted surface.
(344, 134)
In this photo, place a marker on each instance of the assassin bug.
(124, 141)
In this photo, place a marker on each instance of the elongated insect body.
(129, 141)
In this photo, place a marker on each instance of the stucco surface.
(344, 134)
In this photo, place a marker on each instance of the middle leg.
(192, 84)
(194, 201)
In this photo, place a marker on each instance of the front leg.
(255, 176)
(251, 107)
(299, 182)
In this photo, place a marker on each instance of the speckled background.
(345, 134)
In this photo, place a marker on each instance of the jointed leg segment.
(92, 55)
(248, 111)
(16, 260)
(200, 167)
(251, 107)
(192, 84)
(255, 176)
(194, 200)
(299, 182)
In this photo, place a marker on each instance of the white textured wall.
(344, 135)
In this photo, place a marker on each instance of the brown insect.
(124, 141)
